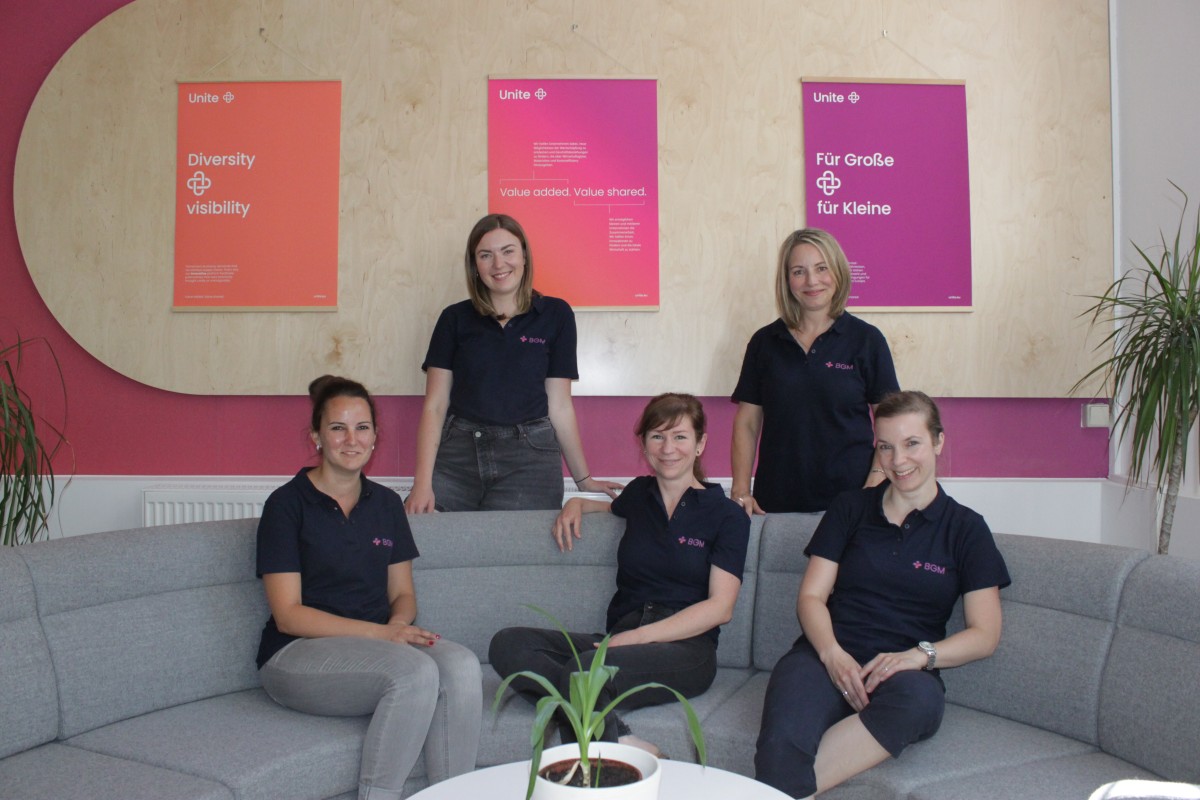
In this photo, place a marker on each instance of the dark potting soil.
(611, 773)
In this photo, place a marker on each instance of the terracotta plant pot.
(645, 789)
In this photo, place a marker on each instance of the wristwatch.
(930, 654)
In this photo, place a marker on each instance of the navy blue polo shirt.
(897, 584)
(816, 437)
(667, 561)
(343, 561)
(500, 373)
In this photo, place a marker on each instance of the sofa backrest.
(1059, 617)
(1149, 698)
(28, 698)
(781, 564)
(477, 571)
(147, 619)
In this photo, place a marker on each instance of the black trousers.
(687, 666)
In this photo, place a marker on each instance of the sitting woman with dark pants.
(335, 556)
(886, 566)
(679, 568)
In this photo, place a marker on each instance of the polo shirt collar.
(779, 327)
(703, 496)
(537, 305)
(932, 512)
(312, 494)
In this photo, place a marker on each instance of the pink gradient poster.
(886, 173)
(575, 161)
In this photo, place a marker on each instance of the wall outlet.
(1095, 415)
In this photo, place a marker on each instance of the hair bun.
(314, 388)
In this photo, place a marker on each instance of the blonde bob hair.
(481, 298)
(786, 304)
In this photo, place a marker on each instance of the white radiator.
(172, 503)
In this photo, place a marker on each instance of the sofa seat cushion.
(968, 742)
(56, 771)
(245, 740)
(505, 736)
(1068, 776)
(666, 725)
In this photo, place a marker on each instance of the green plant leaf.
(1153, 360)
(28, 445)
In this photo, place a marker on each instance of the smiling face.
(672, 449)
(346, 437)
(810, 280)
(500, 262)
(908, 452)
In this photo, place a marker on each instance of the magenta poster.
(886, 173)
(575, 161)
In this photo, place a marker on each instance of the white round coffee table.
(680, 781)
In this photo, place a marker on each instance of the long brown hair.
(666, 410)
(481, 298)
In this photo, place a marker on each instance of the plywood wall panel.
(95, 172)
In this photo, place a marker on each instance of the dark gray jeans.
(498, 467)
(688, 665)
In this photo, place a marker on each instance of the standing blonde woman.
(808, 382)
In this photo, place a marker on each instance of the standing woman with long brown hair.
(498, 418)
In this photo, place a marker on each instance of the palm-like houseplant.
(28, 444)
(579, 708)
(1154, 369)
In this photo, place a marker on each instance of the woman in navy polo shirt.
(335, 556)
(498, 417)
(807, 385)
(679, 568)
(886, 566)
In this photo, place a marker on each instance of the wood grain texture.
(94, 182)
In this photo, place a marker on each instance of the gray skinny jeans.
(427, 698)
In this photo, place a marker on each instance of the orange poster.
(256, 196)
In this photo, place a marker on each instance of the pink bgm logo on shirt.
(532, 340)
(929, 567)
(693, 542)
(382, 542)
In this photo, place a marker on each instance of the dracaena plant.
(28, 443)
(1154, 368)
(579, 708)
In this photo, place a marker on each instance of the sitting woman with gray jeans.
(335, 555)
(679, 568)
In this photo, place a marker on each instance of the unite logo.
(208, 98)
(521, 94)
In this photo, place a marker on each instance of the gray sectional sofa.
(127, 664)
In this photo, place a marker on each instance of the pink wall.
(120, 427)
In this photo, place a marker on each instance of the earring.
(318, 447)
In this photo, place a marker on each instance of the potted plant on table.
(1154, 369)
(28, 443)
(588, 759)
